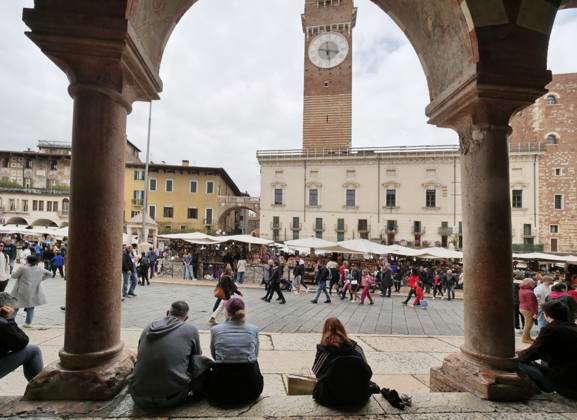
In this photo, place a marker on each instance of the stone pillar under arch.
(487, 364)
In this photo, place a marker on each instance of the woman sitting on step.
(236, 377)
(343, 374)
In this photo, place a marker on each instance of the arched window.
(551, 139)
(551, 99)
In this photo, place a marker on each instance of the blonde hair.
(528, 282)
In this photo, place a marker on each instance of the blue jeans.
(322, 287)
(541, 321)
(534, 372)
(128, 278)
(240, 277)
(30, 357)
(29, 314)
(188, 272)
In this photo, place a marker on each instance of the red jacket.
(419, 293)
(573, 294)
(527, 300)
(413, 280)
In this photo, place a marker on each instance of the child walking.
(367, 281)
(419, 294)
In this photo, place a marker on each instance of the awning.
(247, 239)
(365, 246)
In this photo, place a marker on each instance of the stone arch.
(44, 222)
(226, 213)
(17, 221)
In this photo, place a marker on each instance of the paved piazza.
(386, 316)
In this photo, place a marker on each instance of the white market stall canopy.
(365, 246)
(246, 239)
(540, 256)
(319, 245)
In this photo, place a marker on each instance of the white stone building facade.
(406, 195)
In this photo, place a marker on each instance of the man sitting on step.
(168, 367)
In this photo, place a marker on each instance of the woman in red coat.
(528, 307)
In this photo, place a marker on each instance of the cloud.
(233, 84)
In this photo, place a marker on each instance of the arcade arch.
(482, 60)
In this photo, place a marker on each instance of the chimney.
(185, 163)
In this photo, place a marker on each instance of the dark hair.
(179, 309)
(559, 287)
(32, 260)
(556, 310)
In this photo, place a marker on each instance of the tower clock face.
(328, 50)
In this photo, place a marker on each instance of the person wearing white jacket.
(28, 288)
(542, 291)
(4, 268)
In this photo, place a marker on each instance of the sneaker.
(314, 301)
(27, 326)
(282, 302)
(371, 303)
(263, 298)
(212, 321)
(327, 301)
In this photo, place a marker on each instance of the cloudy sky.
(233, 84)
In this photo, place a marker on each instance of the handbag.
(219, 292)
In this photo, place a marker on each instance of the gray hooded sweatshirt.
(164, 360)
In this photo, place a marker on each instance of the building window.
(5, 162)
(276, 235)
(53, 165)
(192, 213)
(319, 227)
(168, 212)
(340, 236)
(193, 186)
(40, 205)
(152, 184)
(138, 198)
(363, 228)
(416, 227)
(340, 230)
(296, 223)
(65, 206)
(517, 199)
(391, 199)
(12, 204)
(551, 139)
(431, 198)
(169, 185)
(313, 197)
(55, 206)
(28, 164)
(278, 196)
(558, 172)
(27, 182)
(138, 175)
(551, 99)
(554, 228)
(559, 202)
(208, 217)
(296, 234)
(209, 187)
(133, 213)
(152, 211)
(527, 236)
(351, 198)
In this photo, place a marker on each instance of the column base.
(99, 383)
(461, 374)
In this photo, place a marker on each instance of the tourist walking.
(419, 294)
(142, 269)
(437, 285)
(356, 277)
(413, 281)
(528, 307)
(225, 287)
(367, 282)
(4, 268)
(188, 269)
(541, 292)
(57, 264)
(519, 320)
(274, 283)
(28, 288)
(333, 267)
(322, 281)
(128, 279)
(386, 280)
(299, 275)
(11, 251)
(241, 269)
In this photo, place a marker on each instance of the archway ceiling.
(496, 42)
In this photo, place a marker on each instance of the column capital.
(102, 55)
(478, 105)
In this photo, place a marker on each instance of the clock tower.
(327, 117)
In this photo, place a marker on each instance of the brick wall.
(555, 114)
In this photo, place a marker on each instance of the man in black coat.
(323, 279)
(274, 283)
(386, 280)
(127, 273)
(14, 348)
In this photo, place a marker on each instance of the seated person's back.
(162, 375)
(343, 374)
(236, 377)
(555, 347)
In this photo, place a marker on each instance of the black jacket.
(556, 345)
(274, 275)
(299, 270)
(386, 278)
(323, 274)
(10, 250)
(228, 286)
(127, 264)
(12, 338)
(343, 374)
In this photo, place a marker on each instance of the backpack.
(345, 384)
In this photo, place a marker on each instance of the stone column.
(487, 364)
(93, 364)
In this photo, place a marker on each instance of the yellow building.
(181, 198)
